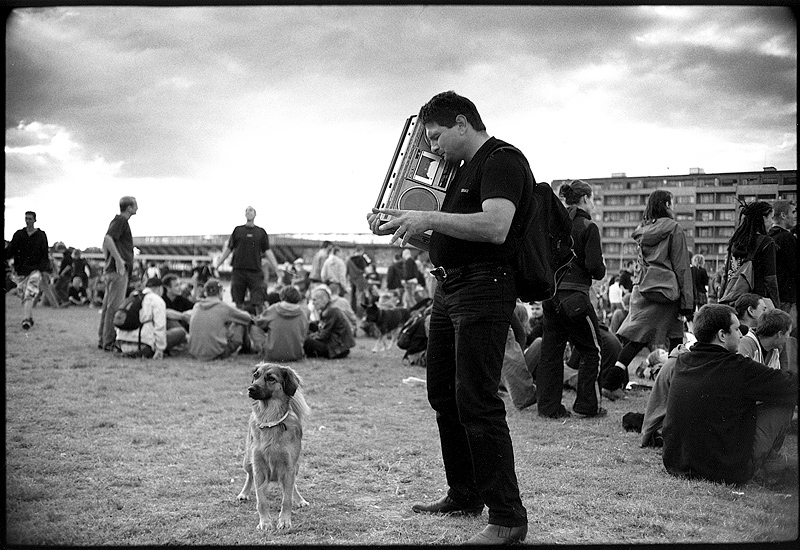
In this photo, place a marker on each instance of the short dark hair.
(168, 278)
(125, 202)
(443, 108)
(710, 319)
(290, 294)
(31, 213)
(744, 302)
(781, 207)
(657, 205)
(773, 322)
(326, 244)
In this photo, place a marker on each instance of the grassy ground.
(102, 450)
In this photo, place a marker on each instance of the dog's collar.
(273, 424)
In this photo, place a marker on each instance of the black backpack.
(544, 245)
(412, 337)
(127, 315)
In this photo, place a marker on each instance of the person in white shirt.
(153, 338)
(615, 294)
(765, 341)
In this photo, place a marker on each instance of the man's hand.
(403, 224)
(120, 267)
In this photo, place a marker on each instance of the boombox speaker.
(417, 178)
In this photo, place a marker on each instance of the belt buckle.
(440, 273)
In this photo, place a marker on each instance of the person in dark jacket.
(334, 338)
(28, 248)
(569, 315)
(726, 414)
(751, 235)
(784, 219)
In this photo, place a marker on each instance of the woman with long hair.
(751, 235)
(569, 315)
(654, 320)
(700, 278)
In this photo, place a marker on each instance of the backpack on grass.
(127, 315)
(412, 337)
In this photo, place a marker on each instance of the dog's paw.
(284, 522)
(241, 496)
(264, 526)
(302, 503)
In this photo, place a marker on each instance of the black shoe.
(562, 413)
(27, 324)
(499, 534)
(600, 412)
(446, 505)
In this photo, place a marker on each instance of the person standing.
(784, 219)
(473, 245)
(318, 260)
(118, 254)
(653, 321)
(356, 273)
(569, 315)
(30, 252)
(699, 281)
(249, 243)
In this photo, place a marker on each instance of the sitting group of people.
(211, 328)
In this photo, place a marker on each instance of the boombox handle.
(392, 166)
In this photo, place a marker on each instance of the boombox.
(417, 178)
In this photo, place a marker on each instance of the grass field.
(102, 450)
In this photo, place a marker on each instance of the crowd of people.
(723, 357)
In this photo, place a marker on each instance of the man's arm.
(226, 251)
(490, 225)
(272, 261)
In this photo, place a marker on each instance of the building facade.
(705, 205)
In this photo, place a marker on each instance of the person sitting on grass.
(765, 342)
(727, 415)
(77, 293)
(749, 309)
(334, 337)
(153, 339)
(217, 329)
(286, 326)
(176, 302)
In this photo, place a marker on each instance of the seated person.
(285, 325)
(514, 375)
(77, 293)
(153, 339)
(176, 302)
(726, 415)
(300, 278)
(657, 401)
(343, 304)
(216, 329)
(334, 338)
(749, 309)
(764, 342)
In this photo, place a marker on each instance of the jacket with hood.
(334, 331)
(661, 243)
(710, 419)
(286, 327)
(208, 337)
(588, 263)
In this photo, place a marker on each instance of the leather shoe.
(500, 534)
(447, 505)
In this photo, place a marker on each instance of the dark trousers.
(583, 331)
(243, 280)
(468, 328)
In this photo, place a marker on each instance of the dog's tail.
(298, 405)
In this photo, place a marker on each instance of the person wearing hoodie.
(569, 315)
(209, 334)
(285, 325)
(654, 321)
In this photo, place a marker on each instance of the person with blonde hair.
(699, 281)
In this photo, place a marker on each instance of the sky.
(199, 112)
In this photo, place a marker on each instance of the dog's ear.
(290, 381)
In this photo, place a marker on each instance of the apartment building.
(705, 206)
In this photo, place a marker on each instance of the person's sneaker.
(600, 412)
(27, 324)
(499, 534)
(562, 413)
(447, 505)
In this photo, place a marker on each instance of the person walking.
(569, 315)
(249, 243)
(118, 254)
(473, 246)
(29, 250)
(656, 317)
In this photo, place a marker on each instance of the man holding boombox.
(474, 250)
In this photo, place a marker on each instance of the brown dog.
(274, 436)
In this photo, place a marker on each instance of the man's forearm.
(478, 227)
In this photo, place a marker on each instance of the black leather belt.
(443, 273)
